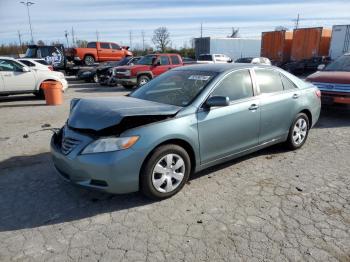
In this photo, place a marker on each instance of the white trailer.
(233, 47)
(340, 42)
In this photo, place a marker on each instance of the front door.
(15, 80)
(117, 52)
(104, 52)
(225, 131)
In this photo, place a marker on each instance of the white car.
(36, 64)
(213, 59)
(254, 60)
(17, 78)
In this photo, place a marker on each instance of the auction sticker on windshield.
(199, 77)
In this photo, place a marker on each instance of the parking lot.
(275, 205)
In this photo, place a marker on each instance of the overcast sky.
(115, 19)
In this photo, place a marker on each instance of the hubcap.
(89, 60)
(143, 81)
(168, 173)
(299, 131)
(95, 78)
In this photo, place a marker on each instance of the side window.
(175, 60)
(164, 60)
(104, 45)
(27, 63)
(269, 81)
(91, 45)
(287, 84)
(7, 65)
(115, 46)
(237, 85)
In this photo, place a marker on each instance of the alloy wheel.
(299, 131)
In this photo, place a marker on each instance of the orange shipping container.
(276, 45)
(310, 42)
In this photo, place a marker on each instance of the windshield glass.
(340, 64)
(178, 87)
(124, 61)
(147, 60)
(30, 53)
(205, 58)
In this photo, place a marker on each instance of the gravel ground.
(274, 205)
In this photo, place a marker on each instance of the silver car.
(183, 121)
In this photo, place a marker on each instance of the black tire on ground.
(143, 79)
(129, 87)
(40, 94)
(291, 143)
(146, 185)
(89, 60)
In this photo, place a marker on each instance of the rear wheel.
(89, 60)
(165, 172)
(142, 80)
(298, 132)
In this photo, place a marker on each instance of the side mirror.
(25, 69)
(321, 67)
(219, 101)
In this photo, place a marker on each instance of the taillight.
(50, 67)
(318, 93)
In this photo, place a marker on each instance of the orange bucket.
(53, 92)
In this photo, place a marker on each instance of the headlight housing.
(126, 72)
(109, 144)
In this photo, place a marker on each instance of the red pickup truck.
(100, 52)
(148, 67)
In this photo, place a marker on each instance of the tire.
(95, 79)
(142, 80)
(296, 139)
(40, 94)
(129, 87)
(168, 181)
(89, 60)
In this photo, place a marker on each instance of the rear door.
(104, 52)
(14, 79)
(162, 65)
(117, 52)
(278, 101)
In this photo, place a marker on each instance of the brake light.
(318, 93)
(50, 67)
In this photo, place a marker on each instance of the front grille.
(68, 144)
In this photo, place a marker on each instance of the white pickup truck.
(17, 78)
(213, 59)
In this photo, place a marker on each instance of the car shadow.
(7, 100)
(33, 195)
(101, 89)
(334, 116)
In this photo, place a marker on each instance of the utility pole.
(73, 40)
(297, 22)
(20, 40)
(201, 29)
(66, 35)
(130, 36)
(143, 40)
(28, 4)
(97, 35)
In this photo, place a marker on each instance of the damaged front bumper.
(113, 172)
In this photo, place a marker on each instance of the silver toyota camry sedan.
(183, 121)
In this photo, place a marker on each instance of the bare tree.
(161, 38)
(40, 42)
(235, 33)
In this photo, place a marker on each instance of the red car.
(147, 68)
(334, 81)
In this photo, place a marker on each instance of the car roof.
(7, 57)
(219, 68)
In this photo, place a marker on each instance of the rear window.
(205, 58)
(175, 60)
(91, 45)
(104, 45)
(41, 61)
(269, 81)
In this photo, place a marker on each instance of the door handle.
(295, 96)
(253, 107)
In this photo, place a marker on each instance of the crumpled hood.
(100, 113)
(330, 77)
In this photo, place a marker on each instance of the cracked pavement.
(274, 205)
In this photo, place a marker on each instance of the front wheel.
(298, 132)
(142, 80)
(165, 172)
(89, 60)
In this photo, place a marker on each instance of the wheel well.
(185, 145)
(144, 74)
(89, 55)
(46, 80)
(309, 116)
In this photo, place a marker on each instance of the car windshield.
(340, 64)
(124, 61)
(30, 53)
(205, 58)
(147, 60)
(178, 87)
